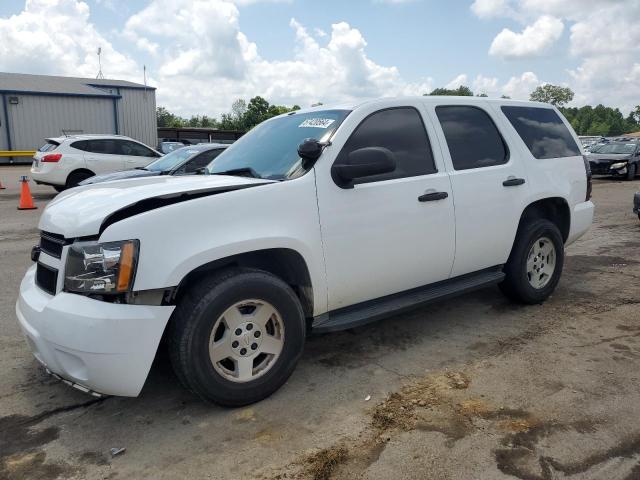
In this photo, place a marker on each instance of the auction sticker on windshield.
(316, 123)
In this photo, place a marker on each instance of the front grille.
(600, 168)
(47, 278)
(52, 243)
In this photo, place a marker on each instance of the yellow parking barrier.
(17, 153)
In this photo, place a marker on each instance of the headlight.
(94, 267)
(618, 165)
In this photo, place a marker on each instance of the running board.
(372, 310)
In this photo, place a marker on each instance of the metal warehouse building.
(35, 107)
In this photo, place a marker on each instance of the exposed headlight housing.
(101, 268)
(617, 166)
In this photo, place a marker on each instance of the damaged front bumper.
(100, 348)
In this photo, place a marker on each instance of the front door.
(135, 155)
(390, 232)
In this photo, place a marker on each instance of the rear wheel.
(631, 171)
(76, 177)
(236, 336)
(535, 264)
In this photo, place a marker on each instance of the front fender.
(178, 238)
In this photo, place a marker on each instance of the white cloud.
(520, 88)
(486, 85)
(458, 81)
(534, 39)
(491, 8)
(210, 62)
(56, 37)
(604, 38)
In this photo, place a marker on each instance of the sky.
(201, 55)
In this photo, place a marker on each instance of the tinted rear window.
(47, 147)
(543, 131)
(472, 137)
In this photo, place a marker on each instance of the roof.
(385, 102)
(87, 136)
(73, 86)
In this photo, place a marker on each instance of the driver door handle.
(433, 196)
(513, 182)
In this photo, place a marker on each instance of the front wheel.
(631, 171)
(235, 337)
(535, 264)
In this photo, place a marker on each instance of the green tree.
(553, 94)
(461, 91)
(165, 118)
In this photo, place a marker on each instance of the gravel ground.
(475, 388)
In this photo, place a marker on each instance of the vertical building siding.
(4, 144)
(137, 115)
(37, 117)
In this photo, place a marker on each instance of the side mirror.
(361, 163)
(310, 149)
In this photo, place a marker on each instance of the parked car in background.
(588, 142)
(63, 162)
(168, 147)
(183, 161)
(620, 159)
(320, 219)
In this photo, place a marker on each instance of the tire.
(76, 177)
(202, 313)
(631, 171)
(59, 188)
(518, 285)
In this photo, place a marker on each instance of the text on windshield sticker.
(316, 123)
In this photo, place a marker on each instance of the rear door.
(135, 155)
(489, 184)
(103, 156)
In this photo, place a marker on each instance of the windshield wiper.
(239, 172)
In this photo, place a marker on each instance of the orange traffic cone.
(26, 201)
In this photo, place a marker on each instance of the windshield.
(167, 147)
(171, 160)
(622, 148)
(271, 148)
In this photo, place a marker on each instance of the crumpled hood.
(124, 174)
(80, 211)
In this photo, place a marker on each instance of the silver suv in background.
(63, 162)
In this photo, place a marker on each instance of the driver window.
(400, 130)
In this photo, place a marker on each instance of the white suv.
(314, 221)
(63, 162)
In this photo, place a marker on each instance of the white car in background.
(63, 162)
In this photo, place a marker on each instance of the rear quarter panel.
(552, 177)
